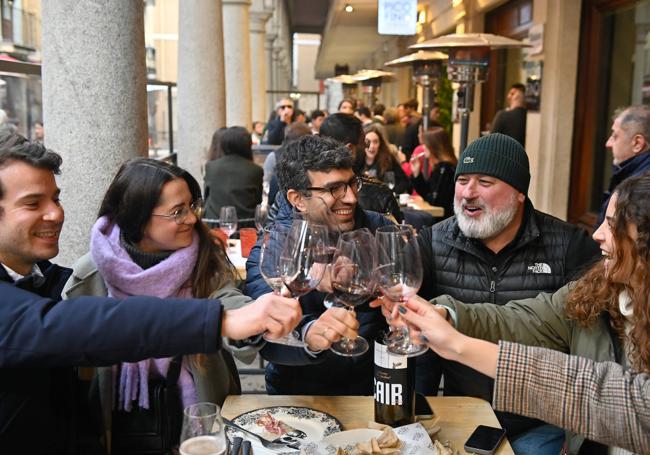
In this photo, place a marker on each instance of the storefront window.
(21, 103)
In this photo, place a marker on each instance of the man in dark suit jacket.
(233, 179)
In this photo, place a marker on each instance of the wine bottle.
(394, 387)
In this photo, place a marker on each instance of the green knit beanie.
(497, 155)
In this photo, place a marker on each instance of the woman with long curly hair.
(590, 371)
(377, 159)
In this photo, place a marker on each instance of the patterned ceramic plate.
(303, 424)
(348, 440)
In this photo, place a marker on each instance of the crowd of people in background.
(395, 150)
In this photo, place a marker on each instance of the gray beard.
(491, 223)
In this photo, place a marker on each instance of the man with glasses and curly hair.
(314, 169)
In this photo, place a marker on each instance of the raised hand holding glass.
(353, 281)
(399, 276)
(273, 244)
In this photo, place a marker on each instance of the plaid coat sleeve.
(598, 400)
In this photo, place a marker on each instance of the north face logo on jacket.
(540, 267)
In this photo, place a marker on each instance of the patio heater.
(349, 84)
(371, 81)
(427, 68)
(469, 60)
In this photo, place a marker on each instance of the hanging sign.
(397, 17)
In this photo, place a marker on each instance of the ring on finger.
(324, 334)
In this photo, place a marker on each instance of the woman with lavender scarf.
(148, 240)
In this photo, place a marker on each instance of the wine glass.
(304, 258)
(273, 243)
(228, 220)
(389, 179)
(399, 276)
(203, 431)
(261, 215)
(353, 281)
(314, 210)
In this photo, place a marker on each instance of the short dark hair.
(363, 110)
(236, 140)
(519, 86)
(315, 114)
(295, 130)
(635, 120)
(411, 104)
(310, 153)
(378, 109)
(352, 102)
(345, 128)
(14, 147)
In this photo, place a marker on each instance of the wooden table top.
(458, 416)
(234, 254)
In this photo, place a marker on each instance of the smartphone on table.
(485, 440)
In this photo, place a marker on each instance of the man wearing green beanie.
(495, 249)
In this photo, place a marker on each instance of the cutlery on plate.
(276, 444)
(236, 445)
(246, 448)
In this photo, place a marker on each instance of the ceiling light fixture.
(348, 8)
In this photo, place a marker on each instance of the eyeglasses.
(180, 215)
(339, 190)
(287, 106)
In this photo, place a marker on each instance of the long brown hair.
(598, 291)
(437, 141)
(385, 159)
(129, 202)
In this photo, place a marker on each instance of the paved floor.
(251, 383)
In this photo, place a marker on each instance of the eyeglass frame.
(345, 185)
(180, 215)
(285, 106)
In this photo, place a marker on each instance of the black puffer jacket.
(545, 255)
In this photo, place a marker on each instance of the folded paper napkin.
(410, 439)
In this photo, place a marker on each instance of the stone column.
(258, 64)
(94, 103)
(549, 149)
(201, 85)
(277, 72)
(270, 73)
(237, 56)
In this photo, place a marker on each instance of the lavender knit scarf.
(124, 278)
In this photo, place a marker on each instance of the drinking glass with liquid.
(203, 432)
